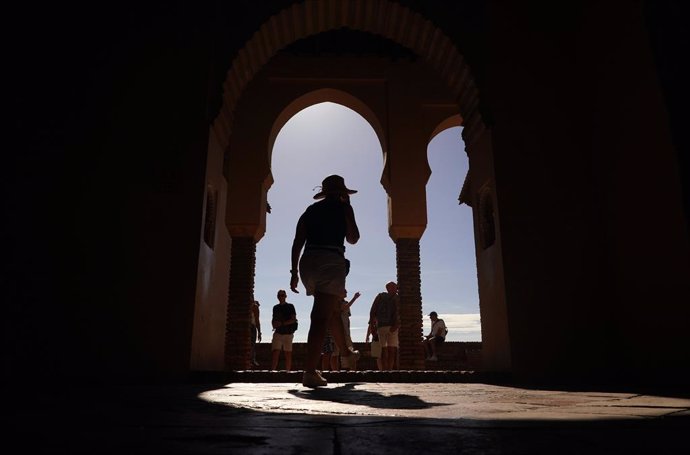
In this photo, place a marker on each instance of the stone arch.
(389, 20)
(322, 96)
(382, 17)
(454, 225)
(450, 122)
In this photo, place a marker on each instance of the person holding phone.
(321, 231)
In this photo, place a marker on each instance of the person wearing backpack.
(384, 313)
(284, 323)
(436, 336)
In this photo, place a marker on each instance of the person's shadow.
(348, 394)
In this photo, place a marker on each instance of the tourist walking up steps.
(321, 231)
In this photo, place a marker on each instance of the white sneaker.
(313, 379)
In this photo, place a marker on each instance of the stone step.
(395, 376)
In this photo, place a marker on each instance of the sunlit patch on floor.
(476, 402)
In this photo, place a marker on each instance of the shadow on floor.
(347, 393)
(172, 419)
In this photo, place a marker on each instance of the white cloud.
(461, 326)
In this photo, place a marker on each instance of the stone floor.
(346, 417)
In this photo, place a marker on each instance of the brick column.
(411, 354)
(240, 294)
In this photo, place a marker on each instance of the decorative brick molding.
(384, 18)
(240, 294)
(411, 353)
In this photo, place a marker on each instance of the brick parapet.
(452, 356)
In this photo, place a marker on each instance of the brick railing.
(453, 355)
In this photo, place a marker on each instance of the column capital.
(414, 232)
(255, 231)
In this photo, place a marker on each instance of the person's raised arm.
(297, 244)
(351, 229)
(354, 297)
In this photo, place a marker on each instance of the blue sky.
(331, 139)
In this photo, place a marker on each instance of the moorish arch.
(379, 17)
(450, 122)
(261, 95)
(325, 95)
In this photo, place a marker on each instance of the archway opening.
(448, 261)
(441, 78)
(323, 139)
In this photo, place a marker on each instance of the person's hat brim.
(322, 194)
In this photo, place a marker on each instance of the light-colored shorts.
(322, 271)
(388, 338)
(282, 341)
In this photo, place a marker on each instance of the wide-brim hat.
(333, 184)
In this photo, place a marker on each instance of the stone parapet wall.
(453, 355)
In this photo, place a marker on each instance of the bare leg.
(253, 340)
(288, 360)
(321, 313)
(383, 360)
(432, 345)
(274, 359)
(337, 329)
(390, 357)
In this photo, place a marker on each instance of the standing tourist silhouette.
(255, 328)
(345, 314)
(284, 323)
(384, 312)
(322, 230)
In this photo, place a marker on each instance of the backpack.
(385, 309)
